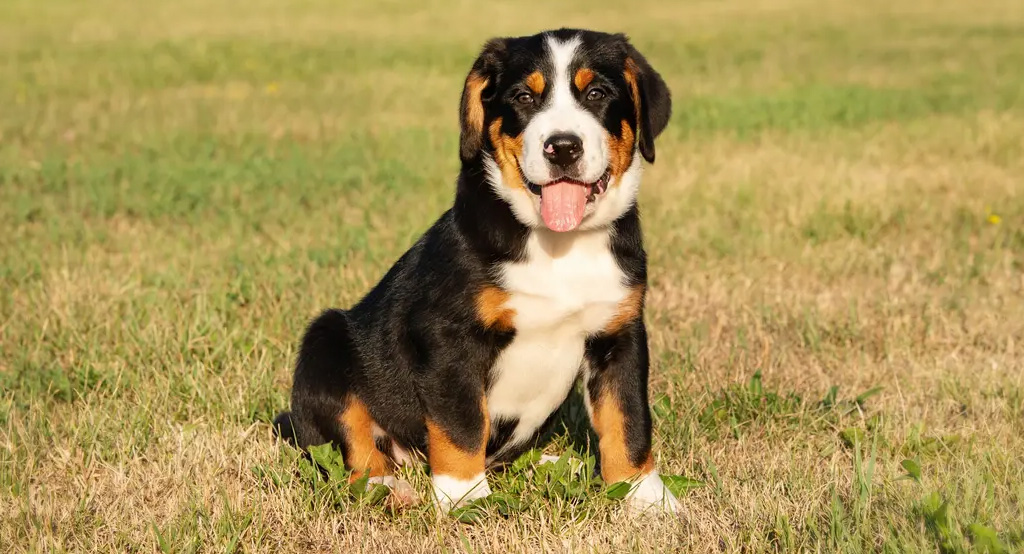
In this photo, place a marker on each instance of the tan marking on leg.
(491, 310)
(446, 458)
(361, 453)
(583, 78)
(630, 308)
(536, 82)
(610, 425)
(507, 151)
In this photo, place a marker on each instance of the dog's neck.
(485, 219)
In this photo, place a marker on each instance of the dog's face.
(559, 119)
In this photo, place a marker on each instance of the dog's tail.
(283, 427)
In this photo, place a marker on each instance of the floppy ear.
(652, 97)
(482, 79)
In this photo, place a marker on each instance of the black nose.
(563, 149)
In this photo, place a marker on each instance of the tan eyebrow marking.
(583, 78)
(536, 82)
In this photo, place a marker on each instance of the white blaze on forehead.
(562, 113)
(562, 55)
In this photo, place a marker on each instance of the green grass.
(834, 226)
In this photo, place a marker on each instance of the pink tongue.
(562, 205)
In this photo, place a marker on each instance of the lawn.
(835, 226)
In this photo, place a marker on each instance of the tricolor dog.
(534, 279)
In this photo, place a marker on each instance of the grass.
(835, 226)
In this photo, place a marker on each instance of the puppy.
(535, 278)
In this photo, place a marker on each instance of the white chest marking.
(569, 287)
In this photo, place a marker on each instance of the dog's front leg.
(457, 433)
(616, 398)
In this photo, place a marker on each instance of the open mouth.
(563, 202)
(593, 189)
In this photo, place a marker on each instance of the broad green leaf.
(557, 489)
(618, 491)
(874, 422)
(358, 487)
(331, 461)
(506, 504)
(590, 464)
(830, 397)
(375, 494)
(662, 407)
(323, 455)
(852, 436)
(680, 485)
(756, 388)
(470, 513)
(862, 397)
(338, 474)
(949, 441)
(526, 461)
(308, 470)
(561, 467)
(574, 489)
(913, 469)
(986, 539)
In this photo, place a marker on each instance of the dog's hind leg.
(361, 453)
(364, 457)
(325, 409)
(322, 383)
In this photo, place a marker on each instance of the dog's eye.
(595, 94)
(524, 98)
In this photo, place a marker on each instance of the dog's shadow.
(570, 427)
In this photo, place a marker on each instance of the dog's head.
(558, 120)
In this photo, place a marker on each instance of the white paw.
(650, 494)
(575, 464)
(450, 492)
(401, 490)
(547, 459)
(401, 456)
